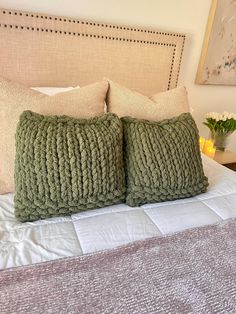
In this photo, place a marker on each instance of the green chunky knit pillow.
(65, 165)
(163, 160)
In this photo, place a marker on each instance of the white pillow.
(52, 90)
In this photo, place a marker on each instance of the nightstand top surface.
(226, 157)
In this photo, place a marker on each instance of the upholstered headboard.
(45, 50)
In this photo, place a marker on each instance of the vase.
(220, 139)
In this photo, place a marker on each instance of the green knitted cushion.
(162, 160)
(65, 165)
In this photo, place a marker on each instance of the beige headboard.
(45, 50)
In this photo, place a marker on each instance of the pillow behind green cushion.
(65, 165)
(162, 160)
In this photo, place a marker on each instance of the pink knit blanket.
(189, 272)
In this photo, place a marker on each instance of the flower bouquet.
(221, 126)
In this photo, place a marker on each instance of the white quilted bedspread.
(100, 229)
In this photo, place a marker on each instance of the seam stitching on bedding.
(77, 236)
(152, 221)
(211, 208)
(33, 226)
(217, 212)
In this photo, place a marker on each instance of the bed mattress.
(109, 227)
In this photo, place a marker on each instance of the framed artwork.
(218, 58)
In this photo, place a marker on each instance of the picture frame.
(217, 65)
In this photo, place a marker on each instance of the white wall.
(187, 16)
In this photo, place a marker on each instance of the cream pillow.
(165, 105)
(85, 102)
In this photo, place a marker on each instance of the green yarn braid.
(65, 165)
(162, 160)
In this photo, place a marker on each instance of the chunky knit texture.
(65, 165)
(163, 160)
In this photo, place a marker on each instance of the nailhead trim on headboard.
(85, 35)
(61, 19)
(174, 67)
(20, 27)
(171, 69)
(180, 59)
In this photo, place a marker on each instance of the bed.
(114, 226)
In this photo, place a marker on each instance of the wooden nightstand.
(227, 158)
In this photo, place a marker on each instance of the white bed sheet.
(105, 228)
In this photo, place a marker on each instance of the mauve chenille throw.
(189, 272)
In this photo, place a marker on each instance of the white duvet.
(99, 229)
